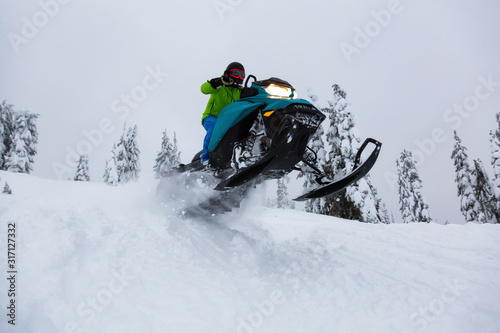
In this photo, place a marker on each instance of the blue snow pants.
(208, 124)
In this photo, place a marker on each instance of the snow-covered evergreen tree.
(3, 147)
(7, 189)
(3, 134)
(412, 204)
(495, 163)
(107, 169)
(133, 154)
(405, 196)
(393, 220)
(168, 157)
(33, 131)
(421, 209)
(361, 193)
(175, 152)
(483, 191)
(338, 204)
(386, 217)
(283, 200)
(380, 206)
(463, 179)
(24, 139)
(82, 169)
(120, 158)
(6, 128)
(110, 172)
(358, 201)
(126, 156)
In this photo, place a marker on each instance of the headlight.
(279, 91)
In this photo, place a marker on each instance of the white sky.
(429, 56)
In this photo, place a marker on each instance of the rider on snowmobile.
(223, 91)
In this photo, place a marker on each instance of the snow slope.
(95, 258)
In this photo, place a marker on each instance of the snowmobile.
(263, 135)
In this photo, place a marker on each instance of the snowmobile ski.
(244, 175)
(358, 172)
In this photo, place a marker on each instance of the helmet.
(236, 72)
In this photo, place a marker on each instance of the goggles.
(237, 74)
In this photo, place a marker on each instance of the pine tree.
(412, 204)
(120, 159)
(6, 189)
(168, 157)
(383, 212)
(107, 169)
(6, 128)
(110, 172)
(282, 194)
(421, 209)
(463, 180)
(3, 134)
(393, 220)
(358, 201)
(176, 153)
(405, 196)
(33, 139)
(82, 169)
(133, 154)
(495, 163)
(386, 218)
(24, 138)
(483, 191)
(126, 156)
(338, 204)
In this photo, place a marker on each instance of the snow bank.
(95, 258)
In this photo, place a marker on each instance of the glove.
(216, 82)
(227, 81)
(248, 92)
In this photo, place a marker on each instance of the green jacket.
(219, 98)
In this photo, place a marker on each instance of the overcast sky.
(413, 71)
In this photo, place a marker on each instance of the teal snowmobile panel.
(230, 116)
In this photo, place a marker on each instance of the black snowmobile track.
(286, 151)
